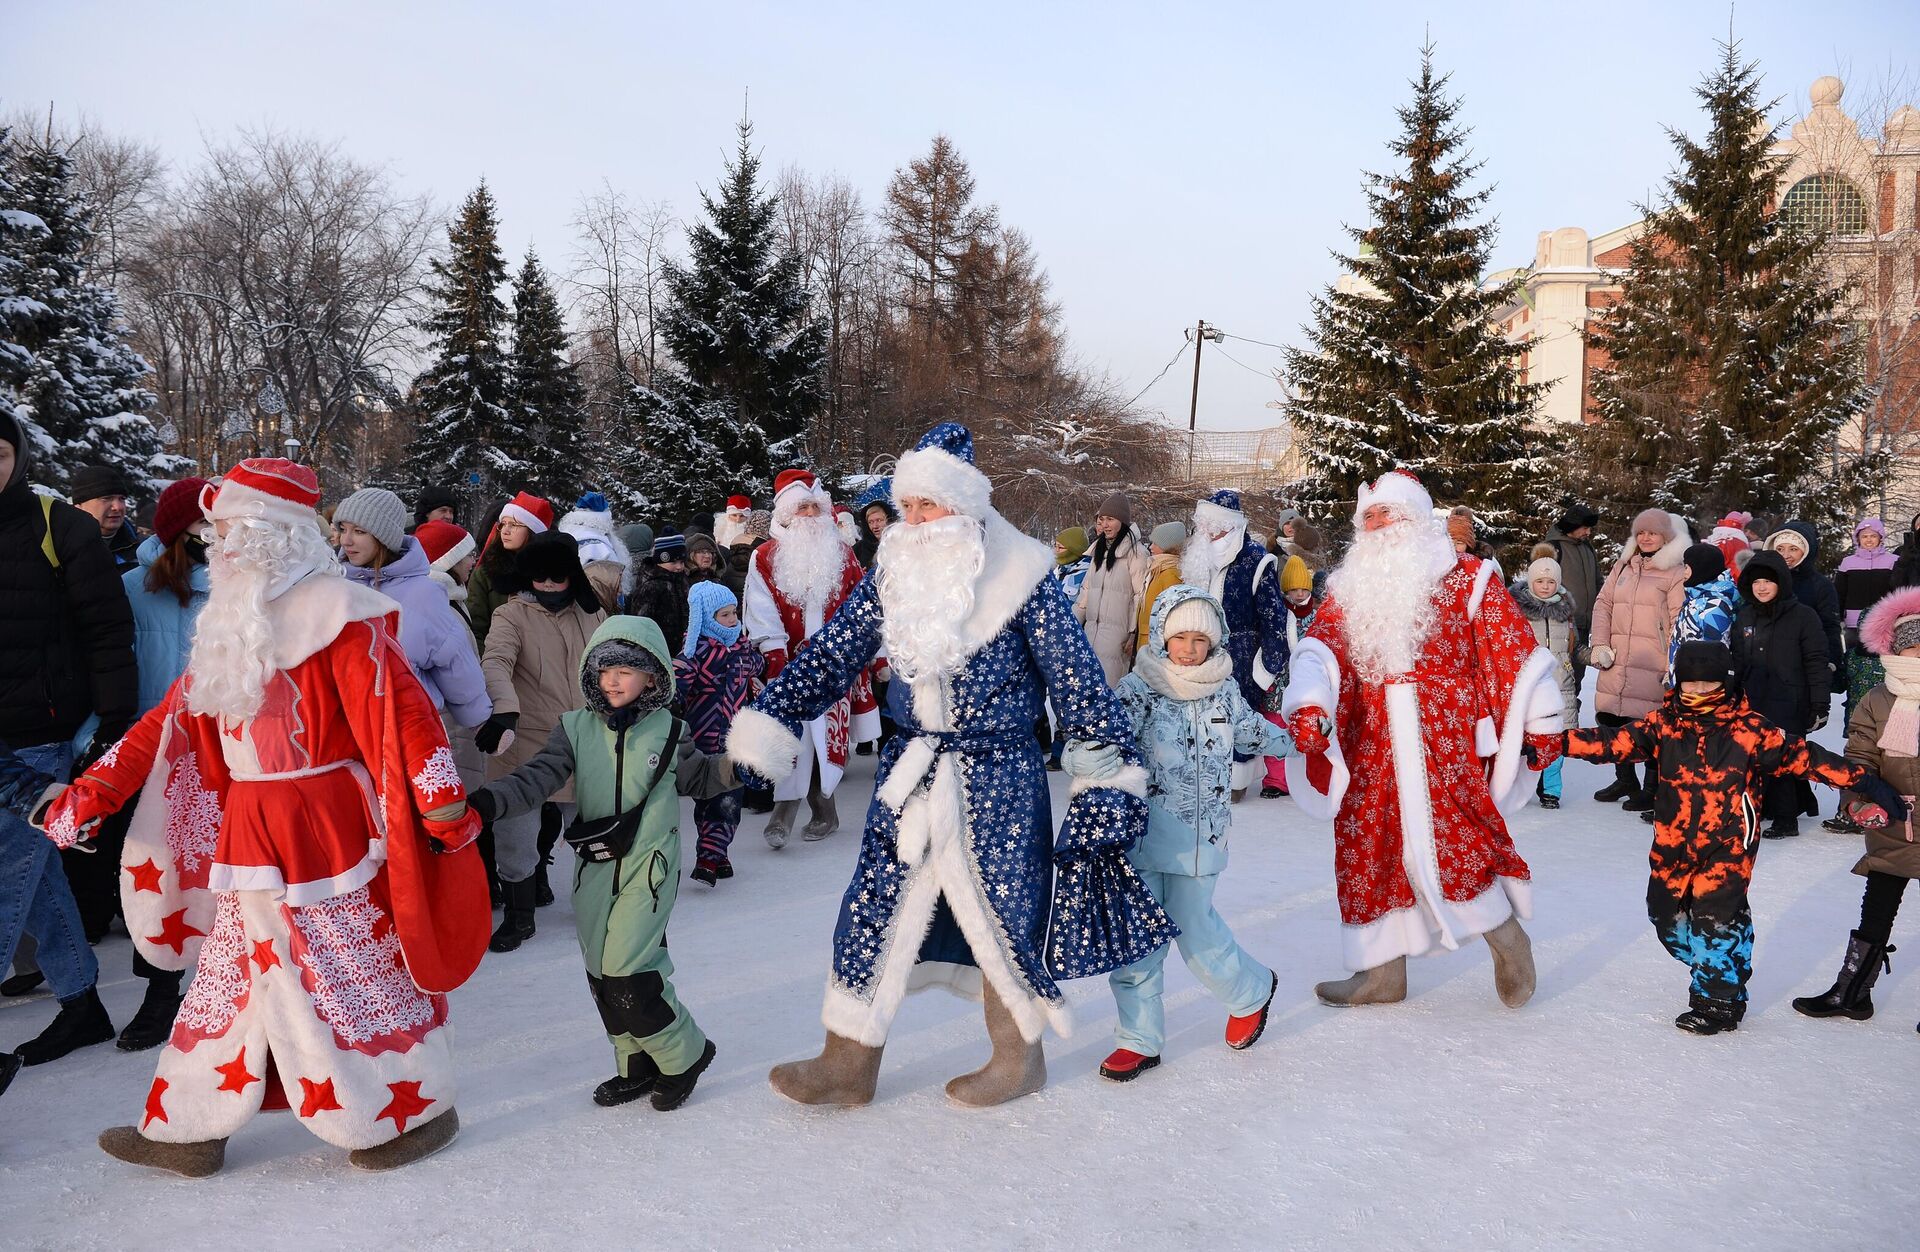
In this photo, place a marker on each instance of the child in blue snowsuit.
(1189, 718)
(713, 676)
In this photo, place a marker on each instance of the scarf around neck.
(1184, 682)
(1901, 735)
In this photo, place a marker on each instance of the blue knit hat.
(704, 599)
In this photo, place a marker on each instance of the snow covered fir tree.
(749, 358)
(66, 369)
(1731, 371)
(547, 399)
(467, 437)
(1411, 368)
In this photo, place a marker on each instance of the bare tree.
(826, 226)
(123, 179)
(616, 287)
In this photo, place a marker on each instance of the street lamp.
(293, 448)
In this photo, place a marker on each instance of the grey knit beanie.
(1169, 536)
(378, 512)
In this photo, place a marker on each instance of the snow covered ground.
(1583, 1120)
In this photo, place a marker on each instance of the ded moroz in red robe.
(1423, 765)
(779, 625)
(286, 857)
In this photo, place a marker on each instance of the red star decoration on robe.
(155, 1110)
(316, 1097)
(234, 1076)
(406, 1103)
(264, 957)
(174, 932)
(146, 877)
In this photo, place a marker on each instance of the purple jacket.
(1865, 575)
(438, 644)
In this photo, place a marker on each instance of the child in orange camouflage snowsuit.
(1713, 755)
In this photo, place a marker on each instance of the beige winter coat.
(532, 664)
(1109, 605)
(1890, 850)
(1638, 604)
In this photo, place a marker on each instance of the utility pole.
(1201, 333)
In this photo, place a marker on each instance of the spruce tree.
(750, 360)
(65, 365)
(548, 401)
(467, 438)
(1730, 367)
(1414, 372)
(665, 468)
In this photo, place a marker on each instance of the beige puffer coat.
(1888, 850)
(1634, 615)
(1109, 605)
(532, 664)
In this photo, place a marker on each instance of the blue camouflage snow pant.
(1712, 935)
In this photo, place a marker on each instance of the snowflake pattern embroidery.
(111, 756)
(193, 821)
(436, 776)
(221, 981)
(351, 965)
(62, 828)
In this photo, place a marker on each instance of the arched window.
(1825, 202)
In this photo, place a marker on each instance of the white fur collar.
(1015, 564)
(311, 614)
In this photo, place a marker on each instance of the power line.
(1266, 374)
(1279, 347)
(1157, 377)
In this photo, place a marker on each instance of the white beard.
(729, 528)
(1204, 561)
(232, 656)
(808, 560)
(1385, 588)
(926, 576)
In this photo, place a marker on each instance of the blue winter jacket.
(1189, 746)
(1257, 617)
(437, 642)
(162, 626)
(1707, 613)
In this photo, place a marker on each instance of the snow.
(1583, 1120)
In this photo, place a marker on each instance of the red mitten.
(74, 815)
(1546, 749)
(455, 834)
(1320, 772)
(1309, 726)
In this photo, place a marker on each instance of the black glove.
(1877, 790)
(484, 803)
(488, 737)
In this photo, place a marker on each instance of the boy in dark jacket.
(617, 752)
(1780, 656)
(1712, 751)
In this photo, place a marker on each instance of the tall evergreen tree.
(1730, 370)
(468, 438)
(548, 401)
(749, 359)
(66, 368)
(1414, 371)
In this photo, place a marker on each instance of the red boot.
(1125, 1066)
(1242, 1032)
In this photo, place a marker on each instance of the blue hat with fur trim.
(940, 468)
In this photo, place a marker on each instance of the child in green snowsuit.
(614, 750)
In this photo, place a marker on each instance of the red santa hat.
(739, 504)
(445, 544)
(530, 511)
(1399, 490)
(794, 487)
(271, 488)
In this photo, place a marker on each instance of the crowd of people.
(318, 758)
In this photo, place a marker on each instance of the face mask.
(554, 601)
(1700, 701)
(727, 635)
(196, 549)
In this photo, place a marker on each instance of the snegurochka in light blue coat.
(162, 620)
(1189, 718)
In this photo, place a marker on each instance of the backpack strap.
(668, 752)
(46, 533)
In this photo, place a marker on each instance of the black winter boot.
(641, 1077)
(517, 926)
(81, 1022)
(9, 1066)
(1624, 784)
(549, 835)
(672, 1090)
(1849, 996)
(1641, 801)
(154, 1022)
(1710, 1017)
(23, 984)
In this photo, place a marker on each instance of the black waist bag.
(602, 839)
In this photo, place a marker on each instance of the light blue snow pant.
(1550, 778)
(1210, 951)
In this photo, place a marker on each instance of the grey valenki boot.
(780, 824)
(189, 1160)
(1383, 984)
(422, 1141)
(1016, 1067)
(845, 1073)
(826, 819)
(1513, 974)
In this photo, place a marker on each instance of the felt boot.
(780, 825)
(826, 819)
(1383, 984)
(1850, 994)
(422, 1141)
(1512, 962)
(189, 1160)
(1016, 1067)
(845, 1073)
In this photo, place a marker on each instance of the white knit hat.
(1195, 613)
(1545, 567)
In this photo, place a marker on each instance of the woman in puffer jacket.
(1116, 582)
(1633, 621)
(1780, 654)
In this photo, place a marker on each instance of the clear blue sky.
(1169, 161)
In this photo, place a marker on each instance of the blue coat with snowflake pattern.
(1256, 618)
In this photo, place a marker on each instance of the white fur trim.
(237, 500)
(1396, 489)
(1674, 550)
(908, 769)
(296, 895)
(938, 475)
(1537, 708)
(309, 615)
(459, 552)
(1015, 564)
(1131, 779)
(797, 493)
(525, 517)
(762, 744)
(1209, 517)
(1314, 680)
(1405, 932)
(1482, 577)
